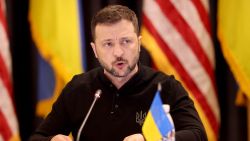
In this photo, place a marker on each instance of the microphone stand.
(97, 96)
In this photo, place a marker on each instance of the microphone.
(97, 96)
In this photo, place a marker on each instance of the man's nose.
(118, 51)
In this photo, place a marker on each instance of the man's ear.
(94, 49)
(139, 42)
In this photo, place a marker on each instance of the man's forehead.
(114, 34)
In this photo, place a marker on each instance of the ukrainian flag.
(234, 34)
(157, 124)
(57, 32)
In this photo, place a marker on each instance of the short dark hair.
(112, 14)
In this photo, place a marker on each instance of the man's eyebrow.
(106, 40)
(126, 37)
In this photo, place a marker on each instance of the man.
(128, 89)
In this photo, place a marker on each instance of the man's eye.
(125, 42)
(108, 44)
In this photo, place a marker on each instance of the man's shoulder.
(80, 86)
(151, 72)
(86, 77)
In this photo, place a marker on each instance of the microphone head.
(98, 93)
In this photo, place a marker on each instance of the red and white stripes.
(8, 121)
(182, 32)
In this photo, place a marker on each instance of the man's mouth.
(120, 64)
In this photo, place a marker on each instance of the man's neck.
(120, 81)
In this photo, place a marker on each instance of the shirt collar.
(131, 83)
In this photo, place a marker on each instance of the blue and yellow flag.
(57, 31)
(157, 124)
(234, 34)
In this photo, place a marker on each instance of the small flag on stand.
(158, 125)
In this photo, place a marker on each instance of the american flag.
(177, 35)
(8, 121)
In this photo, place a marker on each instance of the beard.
(115, 73)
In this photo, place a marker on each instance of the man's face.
(117, 47)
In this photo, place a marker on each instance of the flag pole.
(248, 120)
